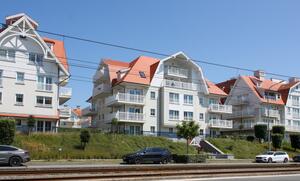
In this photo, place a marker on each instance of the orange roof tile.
(226, 85)
(59, 51)
(213, 89)
(77, 111)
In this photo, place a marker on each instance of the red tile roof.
(227, 85)
(213, 89)
(59, 51)
(77, 111)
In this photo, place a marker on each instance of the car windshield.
(142, 150)
(268, 153)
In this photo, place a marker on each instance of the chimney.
(293, 79)
(260, 74)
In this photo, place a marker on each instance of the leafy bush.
(278, 130)
(84, 138)
(7, 131)
(250, 138)
(190, 158)
(295, 141)
(260, 131)
(277, 140)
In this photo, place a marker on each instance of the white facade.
(30, 76)
(177, 92)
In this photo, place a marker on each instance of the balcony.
(243, 100)
(219, 108)
(64, 112)
(183, 85)
(292, 128)
(241, 114)
(127, 117)
(270, 113)
(89, 111)
(44, 87)
(123, 98)
(219, 123)
(177, 72)
(296, 115)
(65, 93)
(101, 89)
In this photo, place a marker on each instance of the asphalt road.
(295, 177)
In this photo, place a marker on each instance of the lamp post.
(269, 131)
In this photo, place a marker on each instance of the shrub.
(190, 158)
(278, 130)
(260, 131)
(84, 138)
(250, 138)
(7, 131)
(295, 141)
(30, 123)
(277, 140)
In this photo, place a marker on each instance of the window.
(213, 101)
(142, 74)
(40, 125)
(0, 97)
(188, 116)
(18, 122)
(174, 98)
(8, 54)
(20, 77)
(36, 58)
(152, 95)
(152, 112)
(48, 126)
(152, 129)
(201, 132)
(201, 101)
(135, 91)
(7, 148)
(1, 78)
(19, 99)
(171, 130)
(173, 115)
(188, 99)
(44, 83)
(201, 117)
(43, 101)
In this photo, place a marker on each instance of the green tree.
(30, 123)
(84, 138)
(260, 131)
(187, 130)
(7, 131)
(278, 130)
(295, 141)
(114, 125)
(277, 140)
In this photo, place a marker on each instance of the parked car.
(273, 156)
(13, 156)
(155, 155)
(296, 158)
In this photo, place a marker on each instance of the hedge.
(7, 131)
(278, 130)
(277, 140)
(190, 158)
(295, 141)
(260, 131)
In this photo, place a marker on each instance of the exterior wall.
(291, 111)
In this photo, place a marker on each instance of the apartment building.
(76, 120)
(257, 100)
(151, 96)
(33, 74)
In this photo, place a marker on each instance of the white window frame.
(151, 95)
(36, 60)
(152, 129)
(1, 78)
(0, 97)
(44, 101)
(188, 116)
(201, 116)
(173, 98)
(7, 54)
(188, 99)
(173, 116)
(19, 103)
(44, 86)
(17, 78)
(152, 112)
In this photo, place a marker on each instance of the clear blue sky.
(253, 34)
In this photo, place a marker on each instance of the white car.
(273, 156)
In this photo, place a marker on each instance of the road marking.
(227, 178)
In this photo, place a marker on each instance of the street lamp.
(269, 131)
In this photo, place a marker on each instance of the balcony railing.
(270, 113)
(125, 98)
(219, 123)
(101, 88)
(241, 113)
(240, 100)
(175, 71)
(220, 108)
(183, 85)
(65, 112)
(292, 128)
(127, 116)
(65, 92)
(88, 111)
(296, 116)
(44, 87)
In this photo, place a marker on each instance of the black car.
(296, 158)
(154, 155)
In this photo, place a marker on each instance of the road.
(294, 177)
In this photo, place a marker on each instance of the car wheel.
(15, 161)
(165, 161)
(270, 160)
(137, 161)
(285, 160)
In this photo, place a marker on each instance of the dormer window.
(50, 45)
(258, 84)
(36, 58)
(142, 74)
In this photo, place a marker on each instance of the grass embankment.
(101, 146)
(242, 149)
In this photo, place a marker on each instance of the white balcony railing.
(127, 116)
(44, 87)
(241, 113)
(183, 85)
(270, 113)
(65, 112)
(88, 111)
(296, 115)
(219, 123)
(125, 98)
(175, 71)
(292, 128)
(101, 88)
(240, 100)
(65, 92)
(220, 108)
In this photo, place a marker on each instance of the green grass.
(101, 146)
(242, 149)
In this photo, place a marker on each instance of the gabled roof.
(226, 85)
(59, 51)
(213, 89)
(20, 15)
